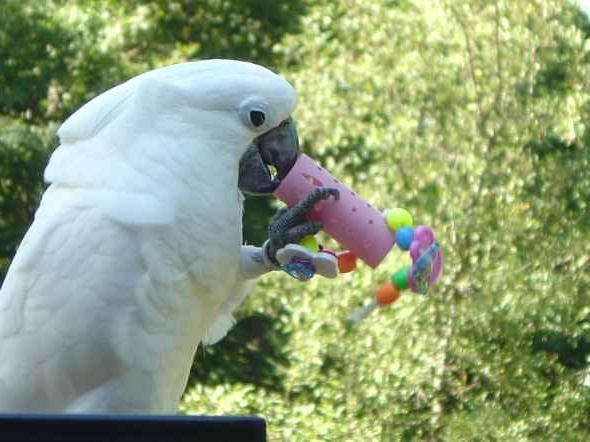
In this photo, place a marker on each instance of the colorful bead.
(424, 235)
(310, 243)
(386, 294)
(398, 217)
(400, 278)
(404, 237)
(346, 261)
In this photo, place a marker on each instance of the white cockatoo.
(135, 255)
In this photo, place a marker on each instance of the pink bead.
(415, 250)
(424, 235)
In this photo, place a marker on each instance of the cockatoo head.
(250, 104)
(237, 112)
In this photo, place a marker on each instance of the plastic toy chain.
(420, 276)
(424, 251)
(360, 228)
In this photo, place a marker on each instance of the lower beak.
(269, 159)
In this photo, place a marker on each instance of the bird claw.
(290, 225)
(315, 196)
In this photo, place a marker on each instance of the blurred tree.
(33, 52)
(22, 158)
(472, 114)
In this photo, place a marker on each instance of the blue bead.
(404, 237)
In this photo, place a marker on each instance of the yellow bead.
(310, 243)
(398, 217)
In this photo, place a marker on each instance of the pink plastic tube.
(351, 221)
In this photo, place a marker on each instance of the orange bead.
(386, 294)
(346, 262)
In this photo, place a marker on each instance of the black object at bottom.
(140, 428)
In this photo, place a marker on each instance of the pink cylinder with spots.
(351, 221)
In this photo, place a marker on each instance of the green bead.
(398, 217)
(310, 243)
(400, 278)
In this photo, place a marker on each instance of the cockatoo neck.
(183, 158)
(206, 163)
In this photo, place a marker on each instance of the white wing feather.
(86, 318)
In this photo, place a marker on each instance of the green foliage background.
(472, 114)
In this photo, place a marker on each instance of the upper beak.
(269, 159)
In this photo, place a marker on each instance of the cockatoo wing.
(80, 308)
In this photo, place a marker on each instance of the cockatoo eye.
(257, 118)
(254, 114)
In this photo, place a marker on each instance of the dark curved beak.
(269, 159)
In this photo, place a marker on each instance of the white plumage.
(134, 254)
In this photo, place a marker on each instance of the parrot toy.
(135, 255)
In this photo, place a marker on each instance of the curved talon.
(279, 214)
(314, 197)
(290, 225)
